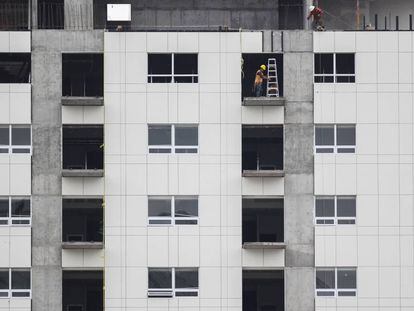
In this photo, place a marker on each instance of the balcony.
(263, 223)
(82, 79)
(82, 290)
(251, 95)
(262, 151)
(82, 224)
(263, 290)
(83, 151)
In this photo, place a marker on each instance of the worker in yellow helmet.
(258, 81)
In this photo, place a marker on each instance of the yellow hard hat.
(263, 67)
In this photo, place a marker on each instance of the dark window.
(345, 63)
(325, 279)
(347, 282)
(346, 208)
(14, 15)
(159, 207)
(290, 14)
(82, 220)
(325, 208)
(15, 67)
(186, 278)
(83, 147)
(263, 290)
(168, 68)
(186, 208)
(160, 278)
(159, 136)
(262, 220)
(345, 135)
(262, 147)
(4, 135)
(82, 289)
(4, 280)
(82, 75)
(20, 279)
(324, 64)
(50, 14)
(20, 207)
(4, 208)
(186, 136)
(21, 135)
(324, 135)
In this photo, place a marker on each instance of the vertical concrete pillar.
(46, 172)
(299, 231)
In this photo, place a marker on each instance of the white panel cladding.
(82, 115)
(15, 245)
(214, 174)
(15, 42)
(82, 186)
(380, 103)
(15, 103)
(82, 258)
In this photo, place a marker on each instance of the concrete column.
(47, 47)
(46, 171)
(298, 147)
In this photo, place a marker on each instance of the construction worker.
(258, 81)
(316, 13)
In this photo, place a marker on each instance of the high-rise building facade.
(144, 166)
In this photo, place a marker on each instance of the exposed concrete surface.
(47, 47)
(79, 14)
(298, 167)
(248, 14)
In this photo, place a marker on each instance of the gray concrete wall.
(79, 14)
(299, 230)
(47, 47)
(248, 14)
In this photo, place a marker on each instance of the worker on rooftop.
(316, 13)
(258, 81)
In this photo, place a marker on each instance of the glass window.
(20, 279)
(4, 207)
(185, 64)
(345, 135)
(21, 136)
(345, 63)
(20, 207)
(186, 278)
(186, 136)
(325, 282)
(159, 278)
(324, 64)
(346, 282)
(159, 64)
(159, 135)
(4, 279)
(324, 135)
(186, 208)
(325, 207)
(346, 207)
(4, 135)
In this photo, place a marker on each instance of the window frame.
(336, 291)
(10, 219)
(10, 292)
(173, 148)
(336, 149)
(172, 219)
(10, 147)
(335, 218)
(172, 292)
(334, 75)
(172, 76)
